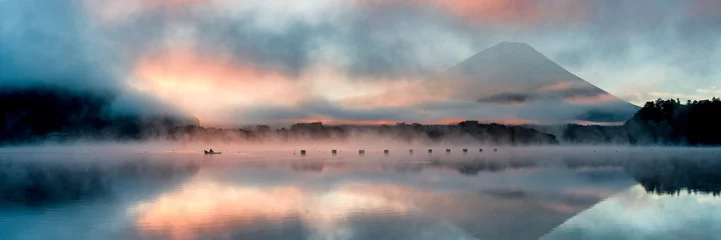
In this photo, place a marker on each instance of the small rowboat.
(211, 153)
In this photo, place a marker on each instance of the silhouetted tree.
(670, 122)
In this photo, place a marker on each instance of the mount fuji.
(527, 85)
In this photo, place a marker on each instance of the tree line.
(672, 123)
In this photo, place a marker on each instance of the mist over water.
(167, 190)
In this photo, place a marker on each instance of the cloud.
(556, 86)
(503, 12)
(708, 9)
(640, 98)
(591, 99)
(220, 58)
(711, 90)
(114, 11)
(506, 98)
(209, 85)
(43, 43)
(54, 44)
(358, 42)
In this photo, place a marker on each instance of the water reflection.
(351, 199)
(213, 208)
(635, 214)
(511, 195)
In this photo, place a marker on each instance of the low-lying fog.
(370, 145)
(172, 190)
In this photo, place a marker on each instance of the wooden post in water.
(302, 152)
(448, 150)
(386, 152)
(410, 151)
(480, 150)
(361, 152)
(465, 151)
(430, 151)
(334, 152)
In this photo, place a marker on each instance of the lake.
(514, 193)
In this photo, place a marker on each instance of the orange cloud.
(509, 121)
(206, 84)
(331, 121)
(504, 11)
(203, 206)
(556, 86)
(481, 10)
(398, 97)
(499, 121)
(207, 204)
(492, 10)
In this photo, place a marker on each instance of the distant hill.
(39, 113)
(518, 76)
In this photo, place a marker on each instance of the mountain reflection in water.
(518, 194)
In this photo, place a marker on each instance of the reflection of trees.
(40, 183)
(409, 168)
(671, 176)
(695, 173)
(491, 165)
(308, 166)
(593, 162)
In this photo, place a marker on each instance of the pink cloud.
(556, 86)
(402, 96)
(207, 85)
(505, 11)
(705, 9)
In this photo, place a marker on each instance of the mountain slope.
(518, 76)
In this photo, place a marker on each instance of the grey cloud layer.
(59, 42)
(47, 42)
(544, 112)
(377, 41)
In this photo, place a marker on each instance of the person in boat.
(211, 151)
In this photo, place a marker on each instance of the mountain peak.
(514, 73)
(508, 60)
(511, 50)
(512, 44)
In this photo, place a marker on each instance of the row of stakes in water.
(387, 152)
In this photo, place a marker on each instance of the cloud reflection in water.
(205, 207)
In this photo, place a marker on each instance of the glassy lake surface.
(584, 193)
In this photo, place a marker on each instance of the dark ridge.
(38, 113)
(506, 98)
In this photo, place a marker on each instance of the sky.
(244, 61)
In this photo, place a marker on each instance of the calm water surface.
(510, 194)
